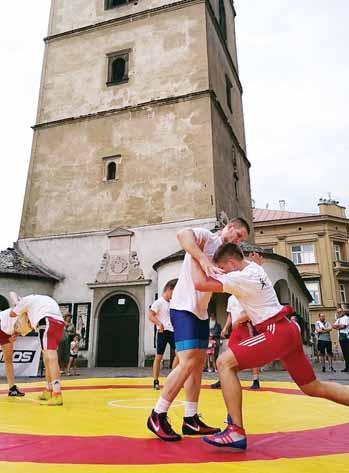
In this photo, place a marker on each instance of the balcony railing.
(341, 265)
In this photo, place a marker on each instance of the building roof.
(267, 215)
(14, 263)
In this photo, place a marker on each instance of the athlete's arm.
(153, 318)
(189, 243)
(202, 282)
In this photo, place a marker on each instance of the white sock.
(190, 408)
(162, 405)
(49, 386)
(56, 386)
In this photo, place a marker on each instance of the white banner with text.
(26, 357)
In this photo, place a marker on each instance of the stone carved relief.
(119, 263)
(135, 271)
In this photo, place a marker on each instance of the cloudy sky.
(294, 68)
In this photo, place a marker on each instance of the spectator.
(64, 346)
(159, 315)
(342, 325)
(323, 329)
(215, 333)
(74, 352)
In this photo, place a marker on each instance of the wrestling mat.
(102, 428)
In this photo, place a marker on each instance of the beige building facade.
(318, 245)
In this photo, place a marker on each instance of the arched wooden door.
(118, 334)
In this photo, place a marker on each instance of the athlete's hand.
(161, 328)
(256, 258)
(209, 268)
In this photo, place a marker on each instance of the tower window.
(118, 67)
(111, 168)
(111, 173)
(222, 19)
(114, 3)
(228, 88)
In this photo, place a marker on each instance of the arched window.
(222, 19)
(118, 67)
(118, 70)
(111, 173)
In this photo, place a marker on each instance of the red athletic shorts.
(4, 338)
(241, 333)
(51, 333)
(277, 339)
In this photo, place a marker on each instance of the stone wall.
(165, 171)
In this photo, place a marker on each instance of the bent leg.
(192, 385)
(327, 390)
(231, 388)
(52, 369)
(178, 376)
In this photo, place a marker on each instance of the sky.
(294, 68)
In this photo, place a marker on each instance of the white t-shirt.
(234, 308)
(254, 290)
(161, 307)
(344, 320)
(184, 296)
(38, 307)
(7, 323)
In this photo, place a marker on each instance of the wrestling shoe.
(45, 395)
(332, 369)
(255, 384)
(15, 392)
(216, 385)
(156, 384)
(56, 400)
(233, 438)
(160, 426)
(229, 419)
(195, 426)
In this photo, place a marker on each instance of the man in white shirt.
(342, 325)
(278, 338)
(7, 336)
(324, 344)
(188, 310)
(159, 315)
(45, 317)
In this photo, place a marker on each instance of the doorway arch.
(3, 303)
(118, 332)
(282, 291)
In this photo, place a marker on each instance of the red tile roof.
(266, 215)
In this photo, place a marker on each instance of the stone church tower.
(139, 133)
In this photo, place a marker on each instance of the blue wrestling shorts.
(189, 331)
